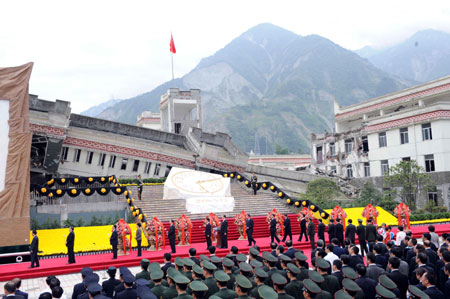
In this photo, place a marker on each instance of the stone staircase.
(153, 205)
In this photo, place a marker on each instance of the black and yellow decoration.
(102, 185)
(280, 193)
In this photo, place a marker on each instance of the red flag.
(172, 45)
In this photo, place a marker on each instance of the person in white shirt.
(400, 236)
(330, 257)
(434, 236)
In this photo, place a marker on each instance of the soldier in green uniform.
(349, 273)
(203, 258)
(318, 280)
(198, 288)
(222, 279)
(188, 264)
(279, 282)
(310, 289)
(260, 277)
(271, 261)
(300, 261)
(158, 289)
(415, 293)
(243, 286)
(294, 287)
(331, 283)
(240, 258)
(341, 294)
(182, 282)
(247, 271)
(228, 265)
(352, 288)
(197, 275)
(284, 260)
(179, 265)
(171, 291)
(254, 254)
(389, 284)
(217, 261)
(266, 292)
(144, 273)
(256, 264)
(384, 293)
(210, 281)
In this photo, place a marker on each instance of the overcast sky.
(88, 52)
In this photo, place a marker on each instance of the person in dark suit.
(249, 228)
(167, 263)
(303, 228)
(287, 228)
(311, 233)
(446, 283)
(361, 232)
(208, 233)
(113, 240)
(34, 247)
(129, 292)
(10, 290)
(331, 231)
(224, 232)
(380, 259)
(339, 232)
(321, 231)
(429, 282)
(138, 238)
(371, 234)
(18, 283)
(109, 285)
(350, 231)
(355, 258)
(366, 283)
(171, 235)
(254, 182)
(273, 229)
(70, 242)
(396, 276)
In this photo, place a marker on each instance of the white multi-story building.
(369, 137)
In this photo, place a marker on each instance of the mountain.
(367, 52)
(96, 110)
(425, 56)
(272, 84)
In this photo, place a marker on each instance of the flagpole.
(171, 56)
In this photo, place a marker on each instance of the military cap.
(279, 279)
(350, 285)
(261, 273)
(270, 258)
(243, 282)
(154, 266)
(171, 272)
(240, 257)
(112, 270)
(245, 267)
(179, 262)
(197, 269)
(86, 271)
(91, 278)
(215, 259)
(349, 273)
(204, 257)
(386, 282)
(188, 262)
(198, 286)
(300, 256)
(417, 293)
(341, 294)
(293, 268)
(227, 262)
(181, 279)
(144, 292)
(285, 258)
(384, 292)
(311, 286)
(94, 288)
(360, 221)
(256, 264)
(209, 266)
(129, 278)
(142, 282)
(220, 275)
(267, 292)
(214, 297)
(254, 251)
(145, 262)
(124, 270)
(322, 264)
(157, 274)
(315, 276)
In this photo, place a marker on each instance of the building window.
(404, 136)
(429, 163)
(333, 170)
(406, 159)
(365, 144)
(101, 159)
(157, 168)
(147, 167)
(382, 139)
(168, 168)
(349, 171)
(65, 152)
(332, 149)
(177, 128)
(348, 145)
(432, 195)
(89, 157)
(76, 157)
(123, 166)
(319, 154)
(136, 165)
(384, 167)
(112, 162)
(426, 132)
(366, 169)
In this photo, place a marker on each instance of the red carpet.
(58, 266)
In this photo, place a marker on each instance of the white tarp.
(204, 192)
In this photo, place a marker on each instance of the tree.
(279, 150)
(368, 195)
(409, 178)
(321, 192)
